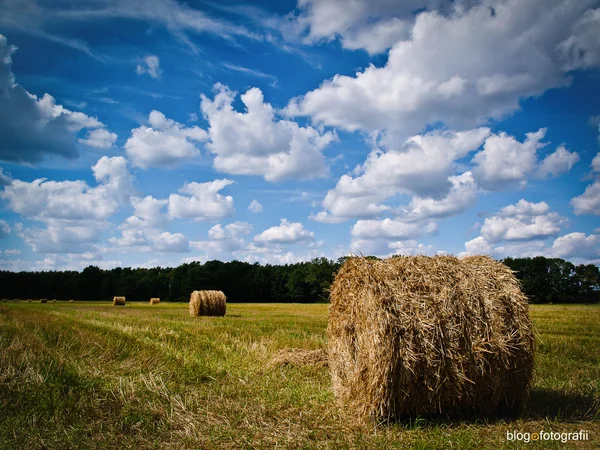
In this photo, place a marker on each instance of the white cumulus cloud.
(285, 233)
(201, 201)
(460, 68)
(522, 221)
(164, 143)
(256, 142)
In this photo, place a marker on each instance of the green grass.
(92, 375)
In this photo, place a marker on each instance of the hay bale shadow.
(566, 407)
(543, 404)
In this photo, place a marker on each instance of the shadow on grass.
(543, 404)
(566, 407)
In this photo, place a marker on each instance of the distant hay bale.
(207, 303)
(71, 301)
(53, 300)
(299, 357)
(421, 335)
(29, 300)
(119, 301)
(154, 301)
(44, 300)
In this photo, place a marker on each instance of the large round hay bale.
(421, 335)
(119, 301)
(154, 301)
(208, 303)
(44, 300)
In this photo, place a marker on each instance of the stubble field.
(93, 375)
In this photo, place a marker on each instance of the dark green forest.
(544, 280)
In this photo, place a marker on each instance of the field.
(92, 375)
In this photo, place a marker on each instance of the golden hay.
(71, 301)
(429, 335)
(119, 301)
(44, 300)
(208, 303)
(154, 301)
(299, 357)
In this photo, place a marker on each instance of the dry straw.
(119, 301)
(154, 301)
(207, 303)
(429, 335)
(300, 357)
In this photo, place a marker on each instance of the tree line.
(544, 280)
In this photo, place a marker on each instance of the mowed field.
(93, 375)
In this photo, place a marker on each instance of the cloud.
(561, 161)
(75, 214)
(147, 213)
(32, 127)
(371, 25)
(388, 236)
(596, 163)
(99, 138)
(589, 201)
(505, 162)
(460, 69)
(255, 207)
(177, 18)
(4, 229)
(224, 241)
(462, 195)
(150, 240)
(164, 143)
(521, 222)
(285, 233)
(390, 229)
(256, 142)
(251, 72)
(577, 247)
(421, 166)
(5, 178)
(201, 201)
(150, 65)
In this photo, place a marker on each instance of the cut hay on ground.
(44, 300)
(424, 335)
(154, 301)
(119, 301)
(299, 357)
(208, 303)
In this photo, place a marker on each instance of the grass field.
(92, 375)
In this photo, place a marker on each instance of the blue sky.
(159, 132)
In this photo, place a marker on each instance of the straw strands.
(207, 303)
(154, 301)
(428, 335)
(299, 357)
(119, 301)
